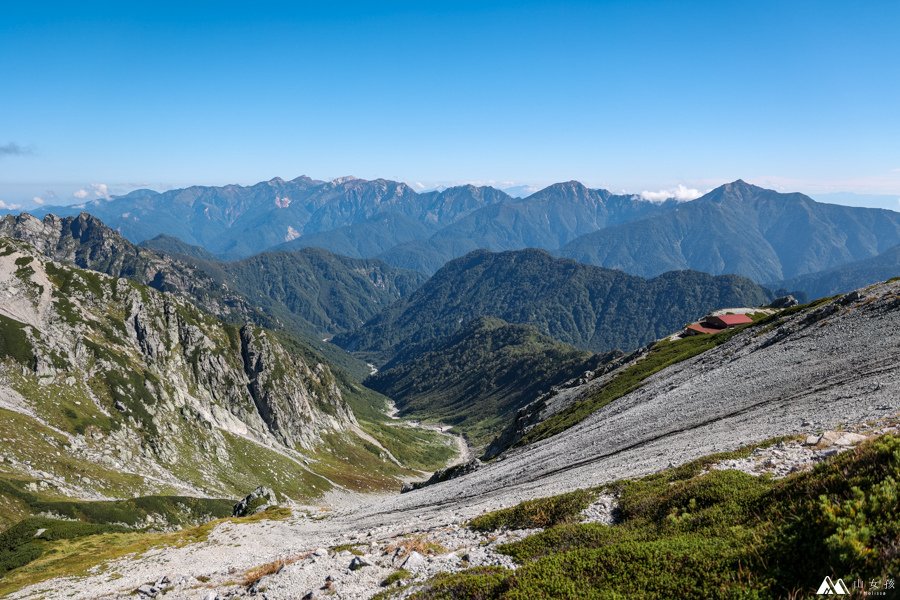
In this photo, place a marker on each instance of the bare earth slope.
(837, 363)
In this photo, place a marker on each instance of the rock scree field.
(825, 367)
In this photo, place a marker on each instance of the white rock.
(413, 562)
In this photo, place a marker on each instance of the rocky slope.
(810, 371)
(110, 388)
(85, 241)
(311, 293)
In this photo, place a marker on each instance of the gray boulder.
(256, 501)
(784, 302)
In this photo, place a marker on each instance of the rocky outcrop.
(86, 242)
(784, 302)
(141, 381)
(286, 404)
(444, 475)
(256, 501)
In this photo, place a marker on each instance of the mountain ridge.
(744, 229)
(590, 307)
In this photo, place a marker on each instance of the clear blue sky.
(634, 95)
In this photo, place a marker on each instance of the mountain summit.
(744, 229)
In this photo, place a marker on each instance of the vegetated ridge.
(477, 378)
(589, 307)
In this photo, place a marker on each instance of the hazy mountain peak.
(346, 179)
(741, 188)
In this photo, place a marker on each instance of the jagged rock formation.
(83, 240)
(310, 294)
(129, 379)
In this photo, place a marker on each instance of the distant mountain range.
(237, 221)
(736, 228)
(741, 228)
(844, 278)
(589, 307)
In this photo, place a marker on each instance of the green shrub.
(14, 342)
(398, 575)
(721, 534)
(545, 512)
(25, 541)
(479, 583)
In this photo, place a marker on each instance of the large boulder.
(255, 502)
(443, 475)
(784, 302)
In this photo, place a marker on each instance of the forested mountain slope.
(589, 307)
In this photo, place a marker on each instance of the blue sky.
(636, 96)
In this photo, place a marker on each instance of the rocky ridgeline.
(86, 242)
(142, 382)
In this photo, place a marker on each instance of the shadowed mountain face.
(590, 307)
(846, 277)
(744, 229)
(547, 219)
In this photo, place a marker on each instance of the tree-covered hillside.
(478, 378)
(589, 307)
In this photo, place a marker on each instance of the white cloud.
(5, 206)
(681, 193)
(101, 190)
(38, 200)
(98, 190)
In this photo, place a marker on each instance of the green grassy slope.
(686, 532)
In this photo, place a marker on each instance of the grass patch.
(14, 342)
(544, 512)
(356, 464)
(84, 546)
(351, 548)
(717, 534)
(396, 577)
(418, 543)
(141, 511)
(28, 540)
(419, 449)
